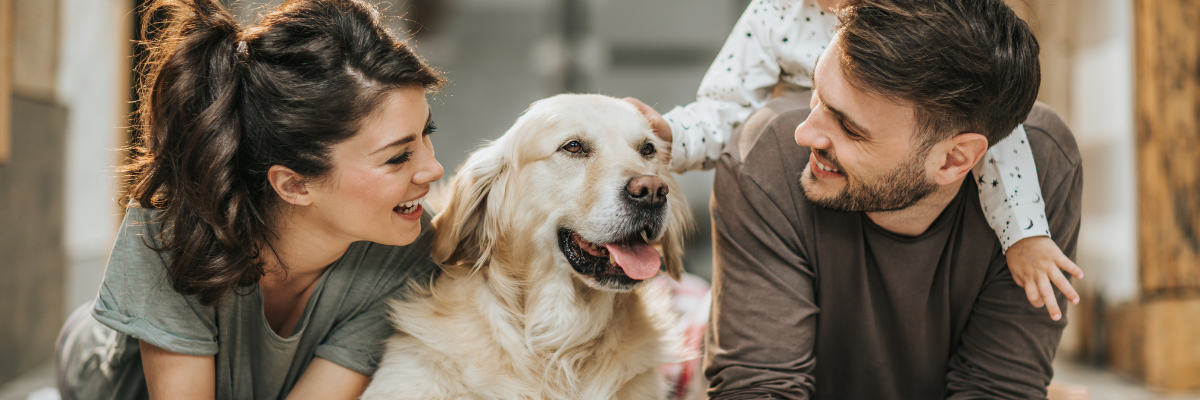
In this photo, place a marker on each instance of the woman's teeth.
(408, 206)
(823, 167)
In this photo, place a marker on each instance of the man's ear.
(956, 156)
(290, 186)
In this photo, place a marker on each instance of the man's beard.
(897, 189)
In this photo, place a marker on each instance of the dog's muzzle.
(627, 255)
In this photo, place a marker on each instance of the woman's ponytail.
(192, 129)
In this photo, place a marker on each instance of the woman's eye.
(400, 159)
(648, 149)
(573, 146)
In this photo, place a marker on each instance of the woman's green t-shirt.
(345, 320)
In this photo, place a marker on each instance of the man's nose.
(810, 134)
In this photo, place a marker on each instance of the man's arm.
(761, 337)
(1008, 347)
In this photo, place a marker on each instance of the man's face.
(863, 154)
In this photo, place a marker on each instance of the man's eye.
(648, 149)
(848, 132)
(573, 147)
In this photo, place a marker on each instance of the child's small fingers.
(1031, 293)
(1067, 265)
(1047, 292)
(1065, 286)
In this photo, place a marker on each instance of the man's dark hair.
(964, 65)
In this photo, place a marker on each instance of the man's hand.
(657, 123)
(1035, 262)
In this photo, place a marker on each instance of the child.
(774, 48)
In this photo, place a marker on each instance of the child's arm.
(1012, 201)
(739, 81)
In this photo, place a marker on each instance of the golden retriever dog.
(547, 240)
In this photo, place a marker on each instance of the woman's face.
(380, 174)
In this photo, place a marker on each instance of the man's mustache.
(829, 161)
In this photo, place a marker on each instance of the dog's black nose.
(647, 191)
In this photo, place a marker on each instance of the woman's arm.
(325, 380)
(178, 376)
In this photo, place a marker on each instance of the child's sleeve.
(1009, 191)
(738, 82)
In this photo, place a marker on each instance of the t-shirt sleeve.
(377, 274)
(136, 297)
(1007, 349)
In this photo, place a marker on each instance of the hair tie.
(242, 52)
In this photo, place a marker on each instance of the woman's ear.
(290, 186)
(956, 156)
(465, 230)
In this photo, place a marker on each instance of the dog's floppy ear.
(465, 230)
(679, 226)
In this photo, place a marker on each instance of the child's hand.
(1035, 263)
(657, 123)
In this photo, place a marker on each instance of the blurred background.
(1125, 74)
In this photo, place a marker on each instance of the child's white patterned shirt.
(779, 41)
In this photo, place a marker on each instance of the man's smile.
(823, 170)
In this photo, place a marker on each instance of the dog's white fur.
(508, 318)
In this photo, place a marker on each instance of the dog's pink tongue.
(639, 261)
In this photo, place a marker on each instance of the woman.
(273, 210)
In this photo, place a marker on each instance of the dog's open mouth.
(619, 264)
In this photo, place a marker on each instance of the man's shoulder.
(1052, 142)
(764, 147)
(760, 166)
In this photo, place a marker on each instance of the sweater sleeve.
(1009, 191)
(738, 82)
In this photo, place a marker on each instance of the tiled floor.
(1101, 384)
(1105, 385)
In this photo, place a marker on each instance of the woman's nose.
(429, 170)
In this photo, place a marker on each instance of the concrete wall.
(32, 257)
(31, 245)
(93, 81)
(70, 87)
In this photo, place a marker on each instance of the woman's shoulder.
(136, 296)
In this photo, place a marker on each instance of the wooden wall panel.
(1167, 64)
(1158, 342)
(1172, 344)
(6, 45)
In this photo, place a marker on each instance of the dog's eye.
(648, 149)
(573, 146)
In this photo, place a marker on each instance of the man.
(852, 259)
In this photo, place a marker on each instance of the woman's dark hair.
(220, 105)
